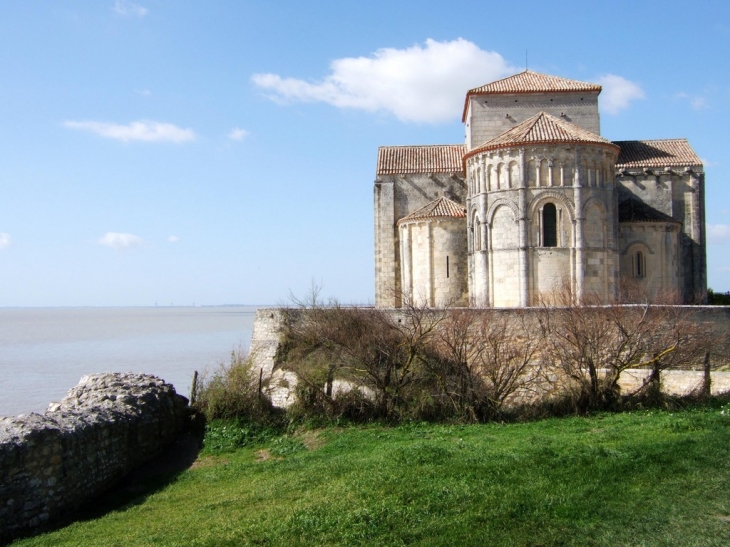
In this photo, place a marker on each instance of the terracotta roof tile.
(444, 158)
(533, 82)
(542, 128)
(440, 208)
(529, 82)
(656, 153)
(633, 210)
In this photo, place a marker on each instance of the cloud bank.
(142, 130)
(120, 241)
(5, 240)
(172, 239)
(423, 84)
(618, 93)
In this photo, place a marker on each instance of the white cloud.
(172, 239)
(142, 130)
(237, 134)
(144, 92)
(5, 240)
(697, 102)
(718, 233)
(618, 92)
(129, 9)
(417, 84)
(119, 241)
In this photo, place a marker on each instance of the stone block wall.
(106, 426)
(397, 196)
(280, 384)
(492, 115)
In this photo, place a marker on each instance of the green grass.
(641, 478)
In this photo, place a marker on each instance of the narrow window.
(640, 265)
(549, 226)
(447, 266)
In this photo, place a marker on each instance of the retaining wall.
(106, 426)
(279, 384)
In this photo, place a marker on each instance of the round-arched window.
(549, 226)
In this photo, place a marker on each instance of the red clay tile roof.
(529, 82)
(657, 153)
(533, 82)
(542, 128)
(444, 158)
(440, 208)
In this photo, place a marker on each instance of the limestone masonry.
(534, 199)
(106, 426)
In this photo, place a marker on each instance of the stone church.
(537, 198)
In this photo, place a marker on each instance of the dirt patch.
(263, 455)
(311, 439)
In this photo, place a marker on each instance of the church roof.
(542, 128)
(529, 82)
(439, 208)
(633, 210)
(533, 82)
(656, 153)
(443, 158)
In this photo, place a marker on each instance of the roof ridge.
(656, 153)
(441, 207)
(436, 158)
(529, 81)
(542, 128)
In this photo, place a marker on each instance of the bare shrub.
(375, 350)
(483, 358)
(593, 344)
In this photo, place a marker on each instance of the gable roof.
(529, 82)
(439, 208)
(443, 158)
(656, 153)
(542, 128)
(633, 210)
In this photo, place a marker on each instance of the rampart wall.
(105, 427)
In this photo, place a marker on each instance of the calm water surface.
(45, 351)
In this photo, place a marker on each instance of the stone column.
(483, 253)
(522, 217)
(385, 251)
(406, 258)
(579, 221)
(699, 256)
(429, 266)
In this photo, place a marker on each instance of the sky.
(223, 152)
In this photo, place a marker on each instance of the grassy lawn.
(642, 478)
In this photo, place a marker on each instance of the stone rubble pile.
(106, 426)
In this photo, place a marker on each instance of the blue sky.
(224, 152)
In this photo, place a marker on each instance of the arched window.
(477, 234)
(639, 265)
(549, 226)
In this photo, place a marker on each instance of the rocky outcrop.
(105, 426)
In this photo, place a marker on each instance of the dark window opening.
(640, 265)
(549, 226)
(447, 267)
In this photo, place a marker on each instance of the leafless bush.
(593, 344)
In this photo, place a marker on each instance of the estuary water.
(45, 351)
